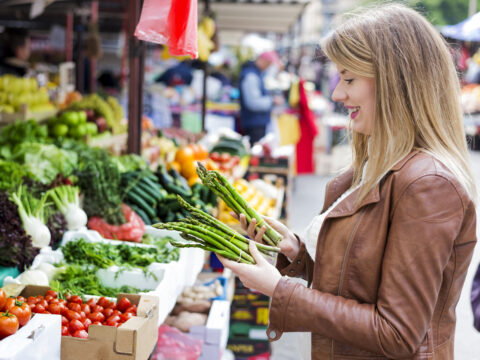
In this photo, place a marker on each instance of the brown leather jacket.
(388, 273)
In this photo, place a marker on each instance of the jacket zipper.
(349, 243)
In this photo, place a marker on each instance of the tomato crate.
(133, 340)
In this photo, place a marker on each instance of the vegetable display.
(204, 231)
(222, 187)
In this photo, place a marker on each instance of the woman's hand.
(262, 276)
(289, 246)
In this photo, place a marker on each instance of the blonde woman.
(387, 257)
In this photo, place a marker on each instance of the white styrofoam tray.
(39, 339)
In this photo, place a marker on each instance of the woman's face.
(357, 93)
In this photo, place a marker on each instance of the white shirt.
(312, 231)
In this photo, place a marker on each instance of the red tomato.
(97, 308)
(8, 324)
(76, 299)
(112, 320)
(54, 301)
(43, 302)
(52, 293)
(83, 315)
(86, 323)
(65, 331)
(116, 312)
(107, 312)
(97, 323)
(39, 309)
(92, 302)
(96, 316)
(54, 308)
(21, 298)
(22, 311)
(72, 315)
(86, 309)
(125, 317)
(39, 297)
(75, 307)
(49, 298)
(32, 300)
(3, 299)
(103, 302)
(132, 309)
(64, 321)
(82, 334)
(123, 304)
(75, 325)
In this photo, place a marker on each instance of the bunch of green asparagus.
(222, 187)
(204, 231)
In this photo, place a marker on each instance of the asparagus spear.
(216, 224)
(195, 242)
(203, 233)
(222, 187)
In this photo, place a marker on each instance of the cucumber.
(157, 195)
(141, 203)
(143, 195)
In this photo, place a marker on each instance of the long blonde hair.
(417, 92)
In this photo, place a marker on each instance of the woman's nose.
(338, 94)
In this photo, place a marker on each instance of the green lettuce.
(45, 162)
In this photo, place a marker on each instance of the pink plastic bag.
(173, 345)
(172, 23)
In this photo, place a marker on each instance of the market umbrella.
(467, 30)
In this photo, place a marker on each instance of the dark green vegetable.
(222, 187)
(99, 181)
(78, 280)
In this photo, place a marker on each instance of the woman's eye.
(349, 81)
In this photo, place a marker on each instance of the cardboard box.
(133, 340)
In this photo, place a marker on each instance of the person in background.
(15, 52)
(255, 102)
(387, 257)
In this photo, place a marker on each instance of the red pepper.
(132, 230)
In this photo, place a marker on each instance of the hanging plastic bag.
(172, 23)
